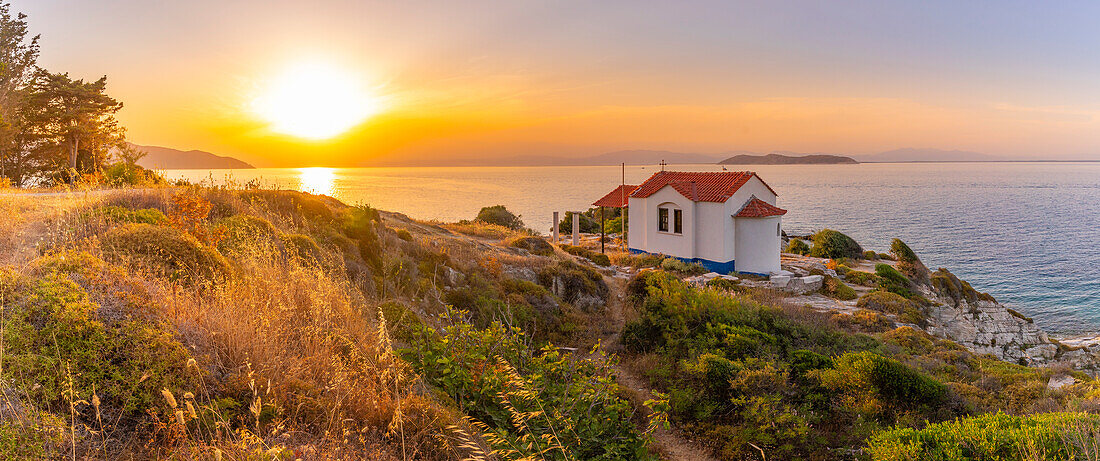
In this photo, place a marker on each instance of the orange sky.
(483, 79)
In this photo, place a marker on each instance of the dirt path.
(670, 443)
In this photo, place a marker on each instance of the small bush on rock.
(829, 243)
(908, 262)
(798, 247)
(947, 285)
(861, 278)
(889, 279)
(834, 288)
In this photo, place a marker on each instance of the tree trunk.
(73, 147)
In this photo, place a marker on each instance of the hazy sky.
(461, 78)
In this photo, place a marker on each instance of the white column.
(576, 228)
(555, 227)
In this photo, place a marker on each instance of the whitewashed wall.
(643, 233)
(757, 244)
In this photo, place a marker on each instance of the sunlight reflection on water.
(316, 180)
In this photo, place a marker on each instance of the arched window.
(670, 218)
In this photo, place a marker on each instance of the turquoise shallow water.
(1023, 232)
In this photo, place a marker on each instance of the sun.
(315, 100)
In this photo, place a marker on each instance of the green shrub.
(495, 377)
(680, 266)
(613, 226)
(829, 243)
(907, 310)
(864, 379)
(908, 262)
(166, 251)
(724, 284)
(992, 437)
(574, 283)
(870, 255)
(53, 334)
(947, 285)
(402, 322)
(639, 260)
(362, 224)
(863, 320)
(588, 224)
(861, 278)
(302, 247)
(130, 174)
(736, 371)
(404, 234)
(834, 288)
(535, 245)
(798, 247)
(39, 435)
(500, 216)
(142, 216)
(885, 301)
(243, 232)
(598, 258)
(889, 279)
(915, 342)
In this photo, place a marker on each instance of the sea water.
(1024, 232)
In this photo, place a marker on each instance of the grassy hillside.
(199, 323)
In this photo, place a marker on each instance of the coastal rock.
(987, 327)
(1060, 381)
(802, 285)
(779, 281)
(584, 300)
(520, 272)
(451, 276)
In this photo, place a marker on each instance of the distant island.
(165, 158)
(781, 159)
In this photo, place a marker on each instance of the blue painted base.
(713, 266)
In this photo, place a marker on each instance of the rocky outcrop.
(954, 310)
(978, 322)
(987, 327)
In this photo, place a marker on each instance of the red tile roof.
(617, 198)
(756, 208)
(708, 187)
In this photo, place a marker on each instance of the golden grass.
(481, 230)
(290, 338)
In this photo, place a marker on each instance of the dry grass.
(481, 230)
(291, 340)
